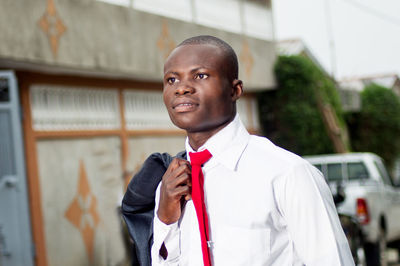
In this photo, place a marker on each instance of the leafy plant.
(290, 116)
(377, 127)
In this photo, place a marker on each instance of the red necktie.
(197, 159)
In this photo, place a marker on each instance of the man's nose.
(184, 89)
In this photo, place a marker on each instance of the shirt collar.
(227, 145)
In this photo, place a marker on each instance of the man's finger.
(182, 191)
(182, 180)
(174, 164)
(184, 162)
(182, 169)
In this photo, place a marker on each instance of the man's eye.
(201, 76)
(171, 80)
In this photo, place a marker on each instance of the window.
(4, 91)
(117, 2)
(318, 166)
(145, 110)
(256, 20)
(176, 9)
(249, 17)
(56, 107)
(357, 171)
(261, 2)
(383, 174)
(335, 172)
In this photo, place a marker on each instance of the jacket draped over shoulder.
(139, 201)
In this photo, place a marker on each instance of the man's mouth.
(184, 107)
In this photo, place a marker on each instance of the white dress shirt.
(265, 205)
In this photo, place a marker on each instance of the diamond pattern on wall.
(247, 59)
(82, 212)
(165, 43)
(52, 25)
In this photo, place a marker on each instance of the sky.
(365, 33)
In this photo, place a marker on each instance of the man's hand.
(176, 184)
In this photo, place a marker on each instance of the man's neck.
(198, 139)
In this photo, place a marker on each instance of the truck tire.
(375, 253)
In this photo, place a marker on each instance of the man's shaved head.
(232, 66)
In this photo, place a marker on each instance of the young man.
(261, 204)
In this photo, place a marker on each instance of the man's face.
(197, 93)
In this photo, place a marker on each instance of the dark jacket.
(139, 201)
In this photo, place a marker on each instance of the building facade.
(81, 108)
(352, 87)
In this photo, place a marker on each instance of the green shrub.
(290, 116)
(377, 127)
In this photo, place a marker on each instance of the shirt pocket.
(242, 246)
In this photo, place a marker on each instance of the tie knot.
(199, 158)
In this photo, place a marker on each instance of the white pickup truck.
(370, 197)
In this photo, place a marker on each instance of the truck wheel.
(375, 253)
(382, 248)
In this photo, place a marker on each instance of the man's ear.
(237, 89)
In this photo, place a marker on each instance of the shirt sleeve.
(306, 203)
(167, 234)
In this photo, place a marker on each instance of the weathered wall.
(141, 147)
(81, 187)
(102, 38)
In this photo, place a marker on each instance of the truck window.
(384, 175)
(335, 172)
(356, 171)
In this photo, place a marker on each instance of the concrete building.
(351, 88)
(81, 108)
(298, 47)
